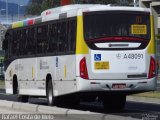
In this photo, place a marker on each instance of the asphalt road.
(132, 109)
(158, 86)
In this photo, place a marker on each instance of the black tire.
(23, 98)
(68, 101)
(20, 98)
(50, 97)
(114, 103)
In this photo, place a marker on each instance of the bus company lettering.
(44, 65)
(19, 67)
(27, 117)
(133, 56)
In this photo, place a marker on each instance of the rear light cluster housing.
(152, 68)
(83, 69)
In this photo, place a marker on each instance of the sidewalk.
(143, 99)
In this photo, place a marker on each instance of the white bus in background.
(82, 52)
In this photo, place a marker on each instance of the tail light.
(152, 68)
(83, 69)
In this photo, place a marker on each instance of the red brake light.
(83, 69)
(30, 22)
(152, 68)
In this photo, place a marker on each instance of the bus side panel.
(9, 73)
(25, 75)
(31, 75)
(28, 83)
(65, 81)
(38, 69)
(151, 47)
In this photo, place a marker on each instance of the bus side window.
(31, 42)
(19, 35)
(72, 35)
(26, 41)
(6, 41)
(42, 39)
(22, 42)
(15, 43)
(24, 36)
(12, 43)
(53, 38)
(7, 44)
(62, 37)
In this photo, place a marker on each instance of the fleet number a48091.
(133, 56)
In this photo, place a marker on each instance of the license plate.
(119, 86)
(101, 65)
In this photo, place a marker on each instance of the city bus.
(79, 53)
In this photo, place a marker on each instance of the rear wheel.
(71, 101)
(23, 98)
(114, 103)
(50, 96)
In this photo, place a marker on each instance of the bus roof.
(72, 11)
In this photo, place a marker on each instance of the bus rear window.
(116, 24)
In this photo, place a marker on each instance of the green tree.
(38, 6)
(34, 9)
(94, 1)
(46, 4)
(119, 2)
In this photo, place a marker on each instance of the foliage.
(119, 2)
(1, 83)
(37, 6)
(155, 94)
(46, 4)
(34, 9)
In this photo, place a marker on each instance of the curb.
(63, 112)
(4, 103)
(24, 106)
(52, 110)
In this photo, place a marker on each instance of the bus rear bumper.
(84, 85)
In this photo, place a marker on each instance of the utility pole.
(135, 3)
(7, 12)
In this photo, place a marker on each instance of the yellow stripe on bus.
(151, 46)
(81, 46)
(32, 72)
(65, 71)
(17, 24)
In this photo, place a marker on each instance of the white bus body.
(113, 67)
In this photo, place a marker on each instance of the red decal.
(65, 2)
(48, 12)
(30, 22)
